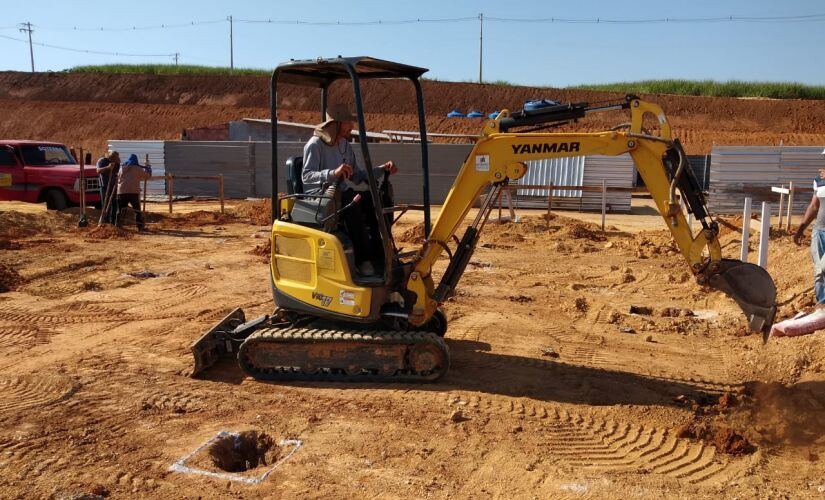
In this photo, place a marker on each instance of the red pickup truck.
(36, 171)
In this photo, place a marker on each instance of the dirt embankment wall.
(88, 109)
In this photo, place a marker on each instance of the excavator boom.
(500, 155)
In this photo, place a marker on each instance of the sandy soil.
(555, 390)
(103, 107)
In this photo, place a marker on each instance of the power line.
(685, 20)
(137, 28)
(86, 51)
(394, 22)
(377, 22)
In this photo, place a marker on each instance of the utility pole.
(28, 29)
(177, 54)
(480, 43)
(231, 48)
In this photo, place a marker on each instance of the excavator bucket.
(752, 288)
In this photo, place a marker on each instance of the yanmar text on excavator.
(333, 324)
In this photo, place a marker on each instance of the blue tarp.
(538, 104)
(455, 114)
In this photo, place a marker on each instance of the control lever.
(355, 200)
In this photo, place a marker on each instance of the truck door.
(12, 176)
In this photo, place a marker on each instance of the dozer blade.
(213, 344)
(223, 339)
(752, 288)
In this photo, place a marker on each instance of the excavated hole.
(246, 451)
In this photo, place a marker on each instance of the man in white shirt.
(816, 211)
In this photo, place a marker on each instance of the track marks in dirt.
(586, 441)
(55, 283)
(30, 391)
(22, 336)
(163, 303)
(173, 401)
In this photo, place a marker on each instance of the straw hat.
(329, 128)
(337, 113)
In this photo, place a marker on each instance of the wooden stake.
(510, 204)
(220, 189)
(604, 201)
(790, 204)
(781, 200)
(746, 227)
(169, 185)
(764, 235)
(82, 184)
(550, 202)
(145, 181)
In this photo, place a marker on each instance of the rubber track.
(315, 336)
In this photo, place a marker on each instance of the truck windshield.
(46, 155)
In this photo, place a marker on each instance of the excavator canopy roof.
(321, 72)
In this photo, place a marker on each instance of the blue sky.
(549, 54)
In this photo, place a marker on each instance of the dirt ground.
(555, 389)
(103, 107)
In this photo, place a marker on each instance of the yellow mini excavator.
(333, 324)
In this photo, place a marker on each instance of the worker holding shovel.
(107, 168)
(128, 189)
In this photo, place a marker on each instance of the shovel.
(751, 287)
(83, 222)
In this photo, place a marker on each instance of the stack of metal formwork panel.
(737, 172)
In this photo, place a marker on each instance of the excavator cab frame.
(321, 73)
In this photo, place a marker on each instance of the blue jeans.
(818, 256)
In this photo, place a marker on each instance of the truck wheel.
(56, 200)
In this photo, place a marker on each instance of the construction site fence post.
(781, 213)
(145, 182)
(550, 202)
(604, 201)
(746, 227)
(220, 189)
(764, 235)
(170, 180)
(790, 205)
(82, 181)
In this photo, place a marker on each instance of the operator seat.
(294, 167)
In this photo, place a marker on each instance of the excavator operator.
(329, 159)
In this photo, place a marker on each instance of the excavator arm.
(501, 156)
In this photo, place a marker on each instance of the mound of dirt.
(198, 218)
(264, 250)
(414, 235)
(10, 279)
(109, 232)
(258, 212)
(16, 225)
(787, 414)
(725, 439)
(584, 231)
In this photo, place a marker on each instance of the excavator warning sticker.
(326, 258)
(483, 163)
(346, 298)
